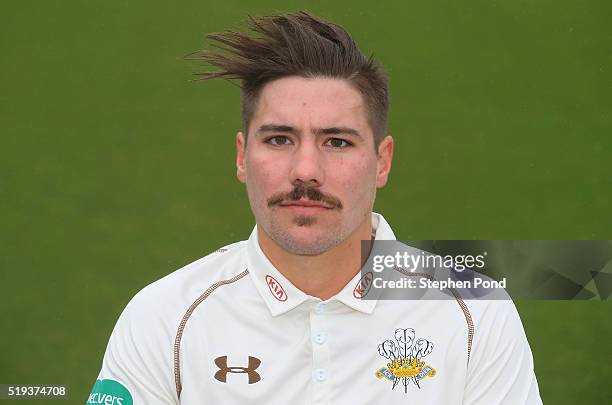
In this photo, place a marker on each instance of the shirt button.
(321, 374)
(319, 338)
(320, 308)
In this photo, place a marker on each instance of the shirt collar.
(349, 295)
(281, 296)
(278, 293)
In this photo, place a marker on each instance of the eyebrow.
(319, 131)
(277, 128)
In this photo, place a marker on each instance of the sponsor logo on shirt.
(405, 354)
(109, 392)
(221, 375)
(275, 288)
(363, 286)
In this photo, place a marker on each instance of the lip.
(305, 210)
(306, 204)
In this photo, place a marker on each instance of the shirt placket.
(319, 332)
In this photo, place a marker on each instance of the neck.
(324, 275)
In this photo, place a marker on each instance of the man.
(280, 319)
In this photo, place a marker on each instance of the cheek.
(356, 176)
(264, 174)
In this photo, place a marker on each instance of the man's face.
(310, 165)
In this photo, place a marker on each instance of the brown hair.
(298, 44)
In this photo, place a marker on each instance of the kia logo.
(363, 285)
(275, 288)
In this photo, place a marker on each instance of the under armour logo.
(221, 375)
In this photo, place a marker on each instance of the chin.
(305, 221)
(302, 242)
(307, 249)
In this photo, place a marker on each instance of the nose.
(307, 165)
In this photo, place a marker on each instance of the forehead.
(311, 102)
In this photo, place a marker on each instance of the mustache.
(307, 191)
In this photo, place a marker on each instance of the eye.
(278, 140)
(338, 143)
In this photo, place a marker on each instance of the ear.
(240, 156)
(385, 157)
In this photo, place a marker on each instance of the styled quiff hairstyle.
(298, 44)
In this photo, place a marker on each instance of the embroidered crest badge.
(405, 355)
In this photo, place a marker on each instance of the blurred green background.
(116, 169)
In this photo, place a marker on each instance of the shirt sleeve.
(137, 366)
(500, 369)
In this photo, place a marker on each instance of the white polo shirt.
(230, 329)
